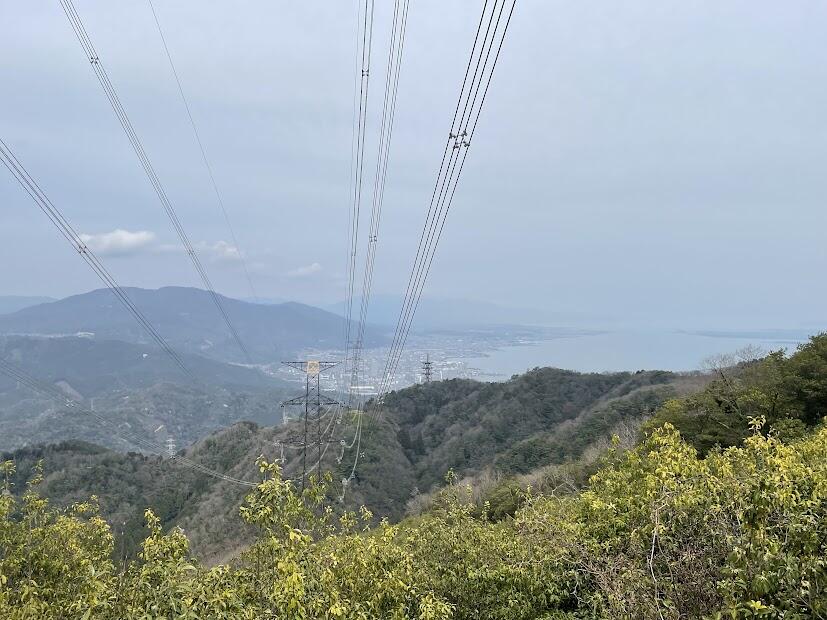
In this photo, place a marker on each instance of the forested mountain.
(189, 321)
(546, 415)
(543, 417)
(661, 531)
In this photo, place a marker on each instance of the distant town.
(449, 353)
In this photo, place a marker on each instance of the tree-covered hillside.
(552, 415)
(136, 388)
(544, 416)
(665, 530)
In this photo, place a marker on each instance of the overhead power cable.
(463, 127)
(364, 45)
(357, 81)
(493, 26)
(364, 50)
(206, 161)
(394, 64)
(395, 49)
(56, 395)
(76, 241)
(114, 101)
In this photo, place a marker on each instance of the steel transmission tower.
(427, 369)
(313, 401)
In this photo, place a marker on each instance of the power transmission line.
(394, 63)
(463, 127)
(394, 60)
(76, 241)
(458, 141)
(114, 101)
(406, 299)
(206, 161)
(357, 83)
(451, 165)
(364, 52)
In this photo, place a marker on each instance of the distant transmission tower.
(170, 447)
(427, 369)
(313, 401)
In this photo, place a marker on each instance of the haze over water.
(627, 350)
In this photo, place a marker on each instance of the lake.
(627, 350)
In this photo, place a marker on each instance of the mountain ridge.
(187, 319)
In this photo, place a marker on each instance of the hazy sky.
(637, 159)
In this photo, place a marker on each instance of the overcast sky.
(658, 159)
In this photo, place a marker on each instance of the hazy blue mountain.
(189, 321)
(13, 303)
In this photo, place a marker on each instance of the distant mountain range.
(189, 321)
(269, 326)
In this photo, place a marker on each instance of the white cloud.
(303, 272)
(119, 242)
(220, 251)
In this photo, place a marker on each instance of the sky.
(656, 161)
